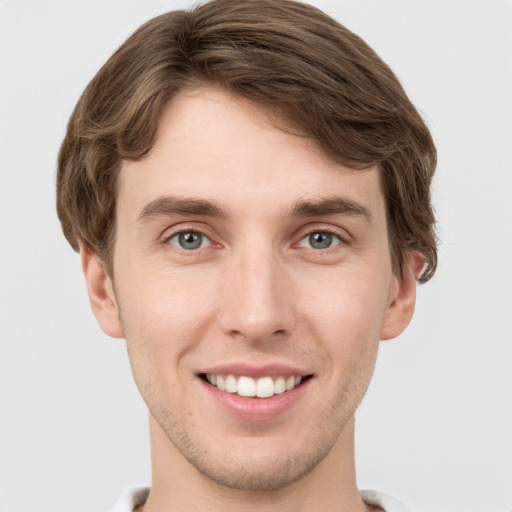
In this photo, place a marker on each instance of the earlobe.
(402, 297)
(101, 294)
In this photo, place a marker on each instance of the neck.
(177, 485)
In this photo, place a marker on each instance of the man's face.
(246, 258)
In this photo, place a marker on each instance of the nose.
(257, 303)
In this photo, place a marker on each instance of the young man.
(248, 186)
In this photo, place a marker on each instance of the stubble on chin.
(252, 472)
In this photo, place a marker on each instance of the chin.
(250, 474)
(255, 463)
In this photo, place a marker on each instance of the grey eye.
(320, 240)
(189, 240)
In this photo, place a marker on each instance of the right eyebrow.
(167, 206)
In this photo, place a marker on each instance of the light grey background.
(435, 428)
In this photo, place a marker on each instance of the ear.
(402, 297)
(101, 294)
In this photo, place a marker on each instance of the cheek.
(164, 319)
(347, 307)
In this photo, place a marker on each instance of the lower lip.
(257, 409)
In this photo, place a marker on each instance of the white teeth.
(231, 384)
(263, 387)
(279, 385)
(221, 383)
(246, 386)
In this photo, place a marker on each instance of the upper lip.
(254, 371)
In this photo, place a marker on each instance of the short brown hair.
(314, 74)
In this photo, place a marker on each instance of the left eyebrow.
(331, 206)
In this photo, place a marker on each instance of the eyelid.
(205, 241)
(172, 231)
(305, 239)
(180, 227)
(342, 234)
(169, 233)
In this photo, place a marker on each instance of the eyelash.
(342, 239)
(168, 237)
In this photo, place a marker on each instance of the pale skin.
(240, 244)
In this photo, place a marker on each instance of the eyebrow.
(171, 205)
(167, 206)
(331, 206)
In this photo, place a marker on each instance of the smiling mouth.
(263, 387)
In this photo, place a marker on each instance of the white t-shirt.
(134, 497)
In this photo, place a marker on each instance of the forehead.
(214, 146)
